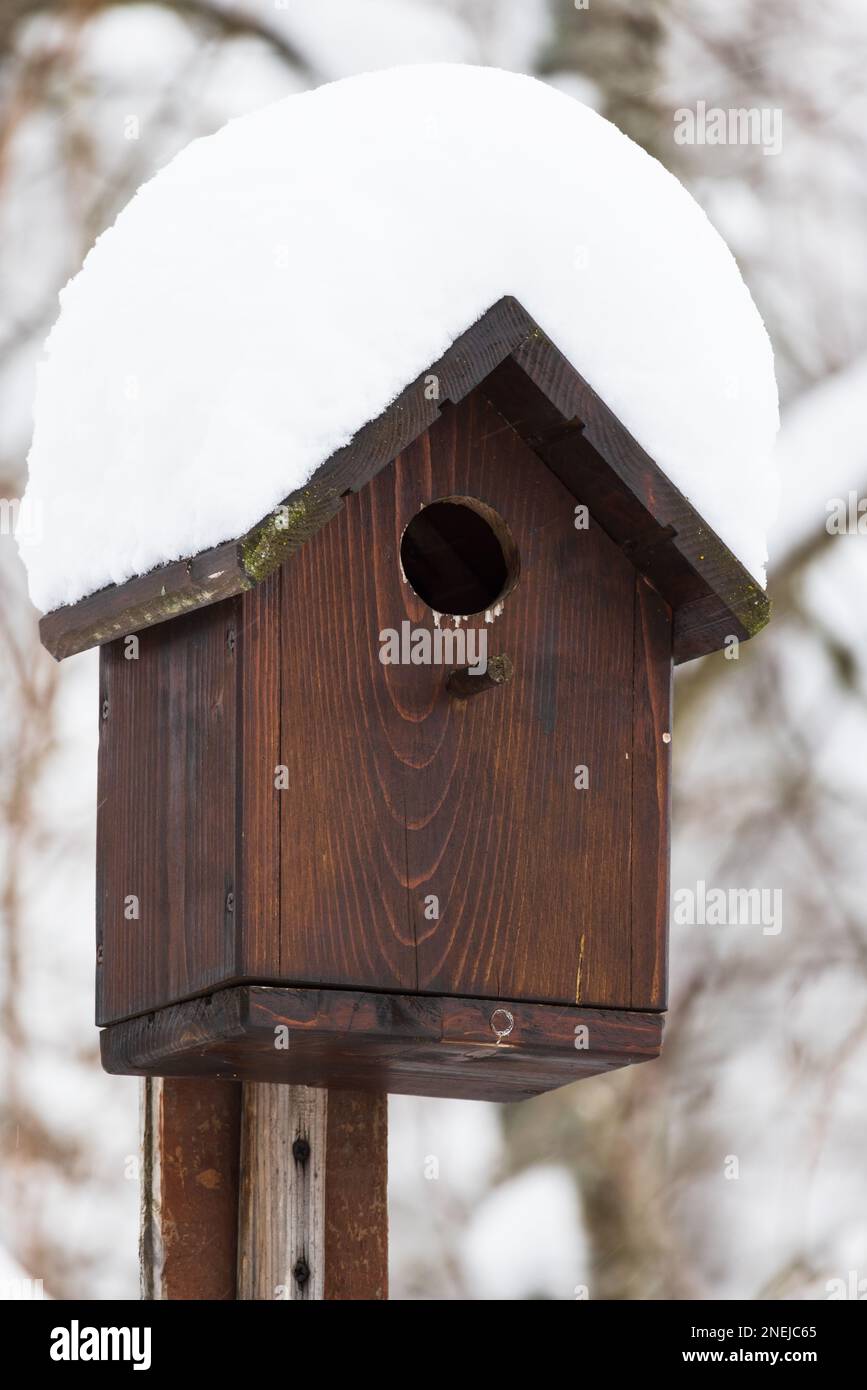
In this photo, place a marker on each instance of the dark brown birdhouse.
(330, 854)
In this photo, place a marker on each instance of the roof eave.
(712, 596)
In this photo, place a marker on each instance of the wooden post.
(190, 1147)
(313, 1218)
(356, 1196)
(263, 1191)
(281, 1217)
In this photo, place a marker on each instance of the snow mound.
(278, 283)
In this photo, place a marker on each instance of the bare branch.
(230, 21)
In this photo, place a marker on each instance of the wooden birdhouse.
(384, 782)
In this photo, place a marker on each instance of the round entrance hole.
(459, 556)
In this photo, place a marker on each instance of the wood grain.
(166, 825)
(651, 798)
(281, 1215)
(260, 664)
(288, 810)
(356, 1197)
(407, 1044)
(191, 1146)
(313, 1215)
(159, 596)
(399, 793)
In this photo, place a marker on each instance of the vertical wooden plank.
(190, 1153)
(281, 1213)
(313, 1213)
(259, 756)
(356, 1197)
(651, 809)
(207, 813)
(344, 913)
(166, 813)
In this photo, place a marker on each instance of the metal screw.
(301, 1272)
(230, 639)
(105, 709)
(230, 902)
(100, 955)
(301, 1150)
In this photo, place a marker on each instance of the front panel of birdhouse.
(280, 805)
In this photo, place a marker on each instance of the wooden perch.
(463, 684)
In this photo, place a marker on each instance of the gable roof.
(276, 285)
(566, 424)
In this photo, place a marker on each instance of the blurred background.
(734, 1166)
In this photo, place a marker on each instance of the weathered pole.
(261, 1191)
(313, 1213)
(190, 1151)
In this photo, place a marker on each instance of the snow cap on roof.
(278, 283)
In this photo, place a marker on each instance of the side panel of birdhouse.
(166, 819)
(512, 846)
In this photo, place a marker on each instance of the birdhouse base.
(470, 1049)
